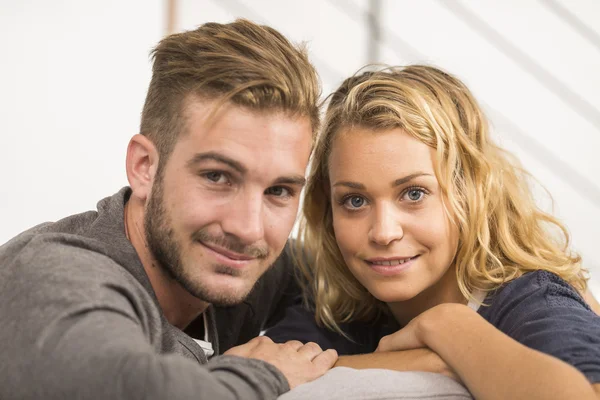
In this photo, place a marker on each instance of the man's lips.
(232, 256)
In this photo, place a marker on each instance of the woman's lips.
(390, 265)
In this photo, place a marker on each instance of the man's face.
(223, 205)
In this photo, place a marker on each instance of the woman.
(426, 247)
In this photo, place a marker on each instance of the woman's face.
(389, 220)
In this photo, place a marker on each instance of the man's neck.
(178, 305)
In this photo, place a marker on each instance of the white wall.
(74, 73)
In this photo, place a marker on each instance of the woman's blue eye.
(356, 201)
(415, 194)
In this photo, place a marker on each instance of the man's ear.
(141, 165)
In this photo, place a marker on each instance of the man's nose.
(245, 217)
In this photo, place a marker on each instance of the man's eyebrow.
(291, 180)
(409, 178)
(214, 156)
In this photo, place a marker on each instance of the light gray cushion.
(381, 384)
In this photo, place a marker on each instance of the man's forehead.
(210, 112)
(272, 144)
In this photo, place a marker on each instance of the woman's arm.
(408, 360)
(491, 364)
(299, 324)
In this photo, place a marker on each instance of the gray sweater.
(79, 320)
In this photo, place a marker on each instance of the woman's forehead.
(361, 151)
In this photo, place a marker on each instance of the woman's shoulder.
(536, 292)
(545, 285)
(544, 312)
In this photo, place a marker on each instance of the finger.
(404, 339)
(240, 351)
(325, 360)
(259, 341)
(293, 344)
(310, 350)
(245, 349)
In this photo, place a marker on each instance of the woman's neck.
(444, 291)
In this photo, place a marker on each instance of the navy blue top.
(539, 310)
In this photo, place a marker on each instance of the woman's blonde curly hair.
(502, 233)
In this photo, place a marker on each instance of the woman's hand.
(407, 338)
(469, 345)
(414, 335)
(417, 333)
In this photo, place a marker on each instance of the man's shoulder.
(75, 244)
(62, 248)
(73, 228)
(45, 273)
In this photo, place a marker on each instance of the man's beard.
(163, 245)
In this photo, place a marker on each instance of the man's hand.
(300, 363)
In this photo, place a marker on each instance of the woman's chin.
(393, 296)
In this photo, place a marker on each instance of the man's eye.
(278, 191)
(216, 177)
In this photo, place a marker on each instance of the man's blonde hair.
(251, 65)
(502, 233)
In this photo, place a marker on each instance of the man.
(120, 302)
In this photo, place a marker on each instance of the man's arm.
(104, 354)
(69, 331)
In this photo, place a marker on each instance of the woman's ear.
(141, 166)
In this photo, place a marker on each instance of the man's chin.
(221, 293)
(223, 299)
